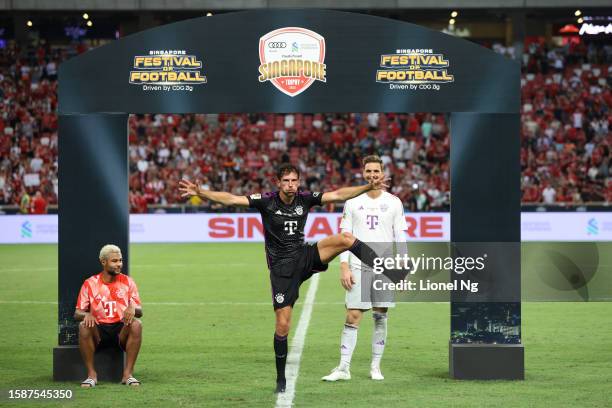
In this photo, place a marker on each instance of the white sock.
(379, 337)
(347, 345)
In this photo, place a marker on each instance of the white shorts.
(355, 299)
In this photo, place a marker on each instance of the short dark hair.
(286, 168)
(373, 159)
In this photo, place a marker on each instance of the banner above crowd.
(247, 227)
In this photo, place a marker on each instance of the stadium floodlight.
(89, 23)
(451, 21)
(85, 16)
(577, 13)
(209, 14)
(454, 14)
(580, 20)
(29, 23)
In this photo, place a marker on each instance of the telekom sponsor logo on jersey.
(110, 308)
(290, 227)
(292, 58)
(372, 221)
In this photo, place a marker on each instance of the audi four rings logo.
(277, 45)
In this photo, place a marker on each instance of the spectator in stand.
(138, 203)
(549, 194)
(39, 204)
(25, 202)
(565, 137)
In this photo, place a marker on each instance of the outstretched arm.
(346, 193)
(189, 189)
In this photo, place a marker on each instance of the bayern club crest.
(299, 210)
(292, 58)
(280, 298)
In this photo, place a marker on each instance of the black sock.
(367, 255)
(363, 252)
(280, 350)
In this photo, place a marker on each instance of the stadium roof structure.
(257, 4)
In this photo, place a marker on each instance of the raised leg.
(334, 245)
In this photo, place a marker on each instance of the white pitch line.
(136, 266)
(297, 345)
(267, 304)
(306, 303)
(46, 268)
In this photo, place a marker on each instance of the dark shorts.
(109, 335)
(287, 278)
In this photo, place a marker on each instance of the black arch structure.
(95, 98)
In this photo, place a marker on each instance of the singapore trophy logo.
(292, 59)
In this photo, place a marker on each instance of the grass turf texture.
(217, 349)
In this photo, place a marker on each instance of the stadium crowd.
(565, 150)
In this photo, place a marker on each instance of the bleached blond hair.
(107, 250)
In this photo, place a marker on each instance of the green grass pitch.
(208, 330)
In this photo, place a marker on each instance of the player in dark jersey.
(290, 260)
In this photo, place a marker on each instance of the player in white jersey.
(376, 216)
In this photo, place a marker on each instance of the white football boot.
(338, 374)
(375, 374)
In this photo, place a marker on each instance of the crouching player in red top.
(107, 306)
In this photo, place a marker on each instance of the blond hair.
(107, 250)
